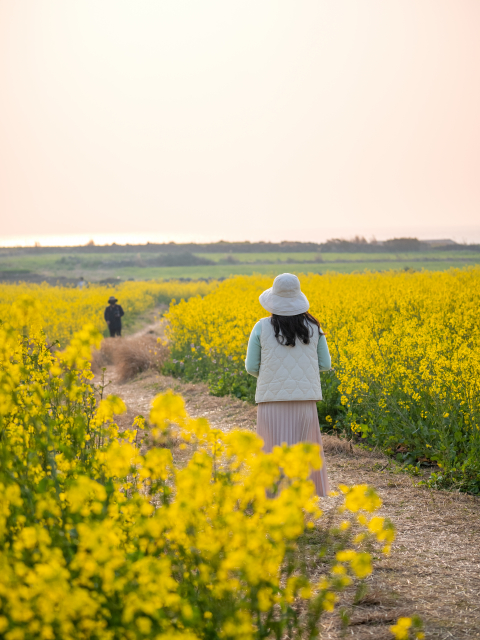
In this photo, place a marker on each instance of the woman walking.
(286, 352)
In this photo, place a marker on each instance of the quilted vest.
(287, 373)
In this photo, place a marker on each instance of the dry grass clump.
(138, 353)
(334, 444)
(105, 355)
(130, 356)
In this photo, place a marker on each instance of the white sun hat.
(285, 297)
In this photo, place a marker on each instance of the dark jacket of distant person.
(113, 317)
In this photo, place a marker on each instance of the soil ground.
(434, 567)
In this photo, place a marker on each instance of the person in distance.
(113, 317)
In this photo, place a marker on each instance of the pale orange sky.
(239, 119)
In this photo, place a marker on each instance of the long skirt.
(291, 422)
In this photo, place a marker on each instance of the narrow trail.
(434, 567)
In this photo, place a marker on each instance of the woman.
(286, 352)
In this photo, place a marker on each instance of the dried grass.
(104, 356)
(130, 356)
(334, 444)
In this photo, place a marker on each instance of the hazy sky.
(241, 119)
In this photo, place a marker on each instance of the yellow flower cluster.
(407, 628)
(98, 541)
(62, 311)
(405, 349)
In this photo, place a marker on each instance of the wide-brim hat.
(285, 297)
(112, 299)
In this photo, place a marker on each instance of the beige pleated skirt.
(292, 422)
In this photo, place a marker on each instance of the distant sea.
(458, 234)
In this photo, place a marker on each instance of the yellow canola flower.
(329, 601)
(118, 459)
(108, 407)
(288, 460)
(157, 464)
(376, 524)
(63, 311)
(100, 540)
(83, 491)
(362, 497)
(79, 351)
(405, 349)
(408, 627)
(360, 562)
(384, 530)
(166, 409)
(401, 629)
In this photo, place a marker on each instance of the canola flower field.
(99, 541)
(62, 311)
(405, 351)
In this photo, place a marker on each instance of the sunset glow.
(243, 120)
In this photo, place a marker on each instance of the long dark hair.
(289, 328)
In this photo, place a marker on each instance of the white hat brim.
(281, 306)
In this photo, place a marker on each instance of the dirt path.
(434, 568)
